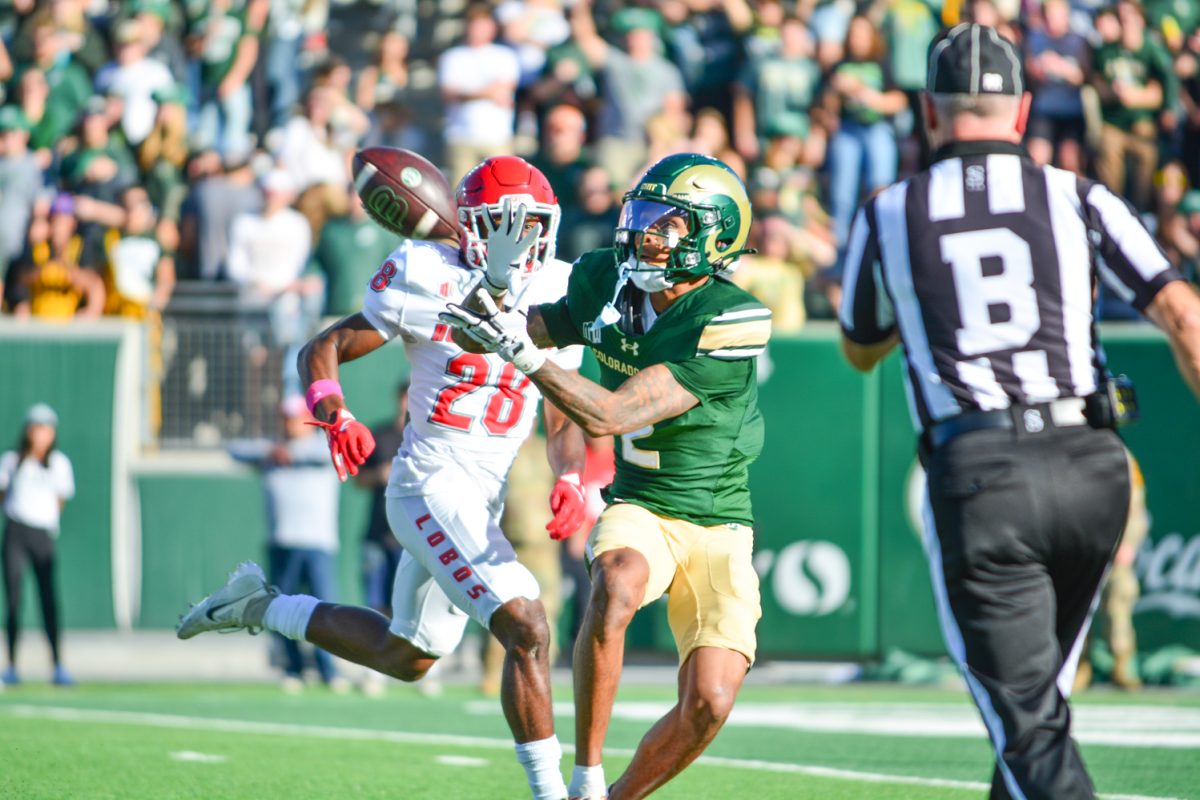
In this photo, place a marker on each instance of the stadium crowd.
(148, 141)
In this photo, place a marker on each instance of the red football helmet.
(483, 191)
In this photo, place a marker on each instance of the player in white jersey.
(468, 415)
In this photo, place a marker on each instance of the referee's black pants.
(1020, 530)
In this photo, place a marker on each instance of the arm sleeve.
(559, 324)
(866, 314)
(386, 298)
(64, 477)
(1135, 267)
(568, 357)
(709, 378)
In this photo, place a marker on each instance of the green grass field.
(210, 741)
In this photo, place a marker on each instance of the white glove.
(500, 332)
(507, 249)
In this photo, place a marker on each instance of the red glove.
(568, 504)
(350, 442)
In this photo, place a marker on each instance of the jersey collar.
(978, 148)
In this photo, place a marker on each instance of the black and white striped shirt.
(986, 263)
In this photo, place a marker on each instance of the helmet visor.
(648, 231)
(648, 216)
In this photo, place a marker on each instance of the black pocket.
(958, 470)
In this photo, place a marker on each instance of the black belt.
(1033, 419)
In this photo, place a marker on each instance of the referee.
(985, 266)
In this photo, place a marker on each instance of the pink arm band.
(320, 389)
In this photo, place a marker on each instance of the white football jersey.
(468, 408)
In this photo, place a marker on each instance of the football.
(405, 193)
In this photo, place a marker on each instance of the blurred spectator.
(53, 87)
(705, 43)
(1056, 66)
(593, 217)
(764, 35)
(315, 160)
(162, 44)
(348, 123)
(288, 25)
(20, 184)
(223, 35)
(349, 251)
(52, 284)
(998, 14)
(667, 132)
(567, 79)
(532, 27)
(162, 157)
(392, 126)
(1132, 76)
(478, 80)
(1120, 595)
(638, 84)
(140, 274)
(301, 496)
(134, 78)
(864, 145)
(100, 165)
(830, 22)
(386, 79)
(1175, 19)
(562, 158)
(910, 27)
(381, 551)
(268, 253)
(773, 96)
(1180, 235)
(213, 203)
(710, 137)
(775, 275)
(36, 481)
(1187, 69)
(79, 36)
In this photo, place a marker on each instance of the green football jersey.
(695, 466)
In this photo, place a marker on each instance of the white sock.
(289, 614)
(588, 782)
(541, 760)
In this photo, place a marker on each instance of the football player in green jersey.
(676, 345)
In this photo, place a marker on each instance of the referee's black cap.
(974, 59)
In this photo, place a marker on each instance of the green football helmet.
(707, 195)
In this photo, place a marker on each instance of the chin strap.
(609, 315)
(734, 256)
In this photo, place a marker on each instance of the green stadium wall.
(835, 494)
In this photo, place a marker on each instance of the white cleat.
(225, 609)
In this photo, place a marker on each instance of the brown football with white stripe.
(405, 193)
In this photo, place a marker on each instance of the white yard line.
(1117, 725)
(461, 761)
(202, 758)
(177, 721)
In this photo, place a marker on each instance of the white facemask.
(650, 279)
